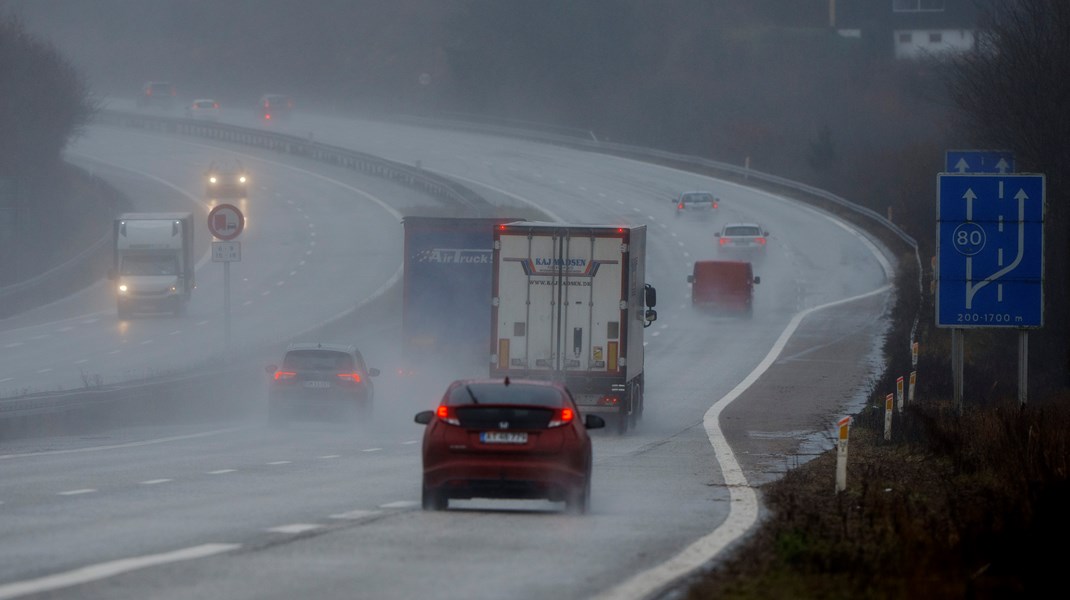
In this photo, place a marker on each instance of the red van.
(723, 285)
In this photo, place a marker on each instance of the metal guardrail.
(437, 186)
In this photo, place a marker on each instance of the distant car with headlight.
(203, 108)
(495, 438)
(226, 179)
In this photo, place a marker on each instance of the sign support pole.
(226, 308)
(1023, 365)
(957, 344)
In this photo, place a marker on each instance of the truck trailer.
(570, 304)
(153, 266)
(446, 291)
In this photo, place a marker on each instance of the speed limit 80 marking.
(969, 238)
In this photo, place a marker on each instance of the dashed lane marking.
(294, 528)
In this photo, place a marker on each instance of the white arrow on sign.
(970, 197)
(962, 165)
(1002, 165)
(972, 290)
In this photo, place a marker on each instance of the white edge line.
(743, 504)
(109, 569)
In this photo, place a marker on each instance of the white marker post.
(889, 406)
(899, 392)
(910, 390)
(841, 455)
(914, 354)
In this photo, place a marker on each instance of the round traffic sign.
(969, 238)
(226, 222)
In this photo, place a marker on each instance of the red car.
(493, 438)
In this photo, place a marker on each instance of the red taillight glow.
(563, 416)
(447, 415)
(715, 205)
(680, 206)
(609, 400)
(723, 241)
(267, 117)
(761, 241)
(284, 375)
(354, 377)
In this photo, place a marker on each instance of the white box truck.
(153, 266)
(569, 304)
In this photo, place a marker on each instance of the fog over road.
(235, 509)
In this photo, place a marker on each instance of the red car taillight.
(446, 414)
(715, 205)
(723, 241)
(284, 375)
(562, 416)
(761, 241)
(354, 377)
(680, 206)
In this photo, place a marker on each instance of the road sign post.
(990, 258)
(226, 222)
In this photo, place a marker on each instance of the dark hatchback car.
(275, 107)
(493, 438)
(326, 380)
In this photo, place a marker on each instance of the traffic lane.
(346, 222)
(501, 547)
(65, 511)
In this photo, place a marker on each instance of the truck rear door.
(560, 302)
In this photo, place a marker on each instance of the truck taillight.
(446, 414)
(354, 377)
(562, 416)
(609, 401)
(284, 375)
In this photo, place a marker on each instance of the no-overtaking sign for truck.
(990, 251)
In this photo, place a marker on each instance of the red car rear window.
(498, 393)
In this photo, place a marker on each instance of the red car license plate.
(503, 437)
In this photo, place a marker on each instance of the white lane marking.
(176, 438)
(78, 492)
(743, 506)
(175, 332)
(13, 345)
(64, 329)
(265, 293)
(294, 528)
(81, 361)
(4, 380)
(411, 442)
(329, 456)
(146, 342)
(108, 569)
(202, 322)
(222, 471)
(280, 462)
(292, 273)
(371, 449)
(45, 370)
(90, 321)
(154, 481)
(356, 514)
(399, 504)
(247, 303)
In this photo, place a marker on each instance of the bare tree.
(1013, 91)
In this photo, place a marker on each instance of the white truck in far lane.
(153, 266)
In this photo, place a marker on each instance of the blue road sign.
(990, 251)
(979, 161)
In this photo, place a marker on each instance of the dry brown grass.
(971, 506)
